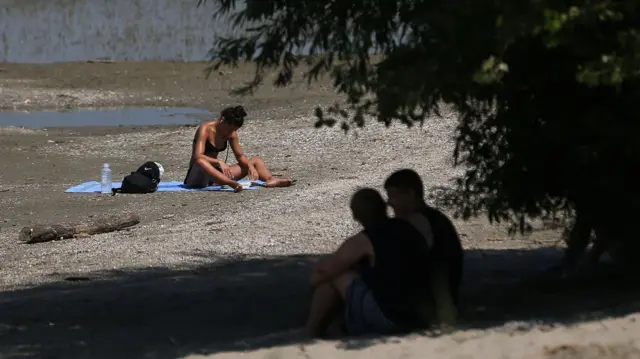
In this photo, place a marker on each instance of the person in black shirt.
(406, 196)
(375, 277)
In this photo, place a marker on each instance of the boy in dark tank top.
(406, 196)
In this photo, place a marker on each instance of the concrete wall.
(40, 31)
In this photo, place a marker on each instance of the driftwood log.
(100, 61)
(55, 232)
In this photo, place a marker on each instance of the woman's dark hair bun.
(240, 111)
(234, 115)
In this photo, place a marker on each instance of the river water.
(131, 116)
(44, 31)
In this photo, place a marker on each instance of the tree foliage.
(546, 91)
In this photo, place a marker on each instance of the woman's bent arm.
(218, 177)
(243, 160)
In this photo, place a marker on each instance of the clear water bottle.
(105, 179)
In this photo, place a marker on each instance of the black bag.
(144, 180)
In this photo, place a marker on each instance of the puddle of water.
(136, 116)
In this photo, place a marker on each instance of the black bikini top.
(208, 146)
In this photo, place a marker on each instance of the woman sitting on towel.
(213, 137)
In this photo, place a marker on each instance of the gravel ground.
(206, 273)
(311, 217)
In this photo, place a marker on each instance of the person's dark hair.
(406, 179)
(233, 116)
(369, 200)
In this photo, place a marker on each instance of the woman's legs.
(266, 175)
(197, 177)
(263, 173)
(202, 173)
(200, 177)
(327, 303)
(237, 172)
(325, 306)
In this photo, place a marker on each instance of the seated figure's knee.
(342, 283)
(256, 160)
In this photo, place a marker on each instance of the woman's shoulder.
(207, 128)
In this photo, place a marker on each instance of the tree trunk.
(54, 232)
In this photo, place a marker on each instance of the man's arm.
(446, 310)
(350, 253)
(243, 160)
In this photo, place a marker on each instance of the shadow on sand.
(167, 313)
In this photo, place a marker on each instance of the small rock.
(168, 216)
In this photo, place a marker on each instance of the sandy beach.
(208, 274)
